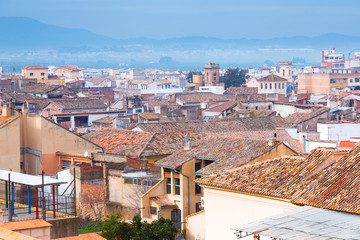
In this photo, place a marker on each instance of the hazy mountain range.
(23, 35)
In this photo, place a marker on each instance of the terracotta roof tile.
(105, 120)
(281, 135)
(150, 116)
(336, 187)
(298, 118)
(272, 78)
(226, 152)
(28, 224)
(90, 236)
(219, 125)
(79, 103)
(222, 107)
(241, 90)
(71, 68)
(188, 98)
(34, 67)
(279, 177)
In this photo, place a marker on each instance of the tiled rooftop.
(28, 224)
(134, 144)
(336, 187)
(34, 67)
(272, 78)
(187, 98)
(297, 118)
(241, 90)
(281, 135)
(105, 120)
(252, 113)
(90, 236)
(226, 152)
(71, 68)
(279, 177)
(222, 125)
(79, 103)
(150, 116)
(39, 88)
(222, 107)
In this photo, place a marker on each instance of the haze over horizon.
(161, 19)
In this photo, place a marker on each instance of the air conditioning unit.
(202, 202)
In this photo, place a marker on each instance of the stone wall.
(64, 227)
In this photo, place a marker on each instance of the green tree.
(233, 77)
(115, 228)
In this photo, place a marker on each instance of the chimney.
(187, 142)
(5, 110)
(271, 142)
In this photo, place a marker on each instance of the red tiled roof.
(72, 68)
(35, 67)
(272, 78)
(222, 107)
(279, 177)
(347, 144)
(336, 187)
(241, 90)
(28, 224)
(90, 236)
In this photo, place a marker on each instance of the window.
(269, 107)
(261, 86)
(332, 80)
(351, 80)
(137, 181)
(197, 187)
(198, 206)
(177, 186)
(270, 85)
(256, 108)
(265, 85)
(197, 166)
(146, 182)
(42, 74)
(167, 170)
(356, 80)
(283, 72)
(283, 85)
(168, 185)
(31, 74)
(129, 180)
(153, 210)
(275, 84)
(214, 74)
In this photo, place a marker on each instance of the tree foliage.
(233, 77)
(115, 228)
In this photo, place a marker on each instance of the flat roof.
(305, 223)
(28, 180)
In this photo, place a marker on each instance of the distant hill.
(20, 33)
(26, 33)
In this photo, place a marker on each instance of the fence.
(24, 203)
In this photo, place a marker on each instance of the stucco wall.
(38, 233)
(195, 226)
(64, 227)
(226, 210)
(10, 146)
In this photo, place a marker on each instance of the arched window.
(261, 86)
(265, 85)
(270, 85)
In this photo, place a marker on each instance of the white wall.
(286, 109)
(311, 145)
(338, 131)
(227, 210)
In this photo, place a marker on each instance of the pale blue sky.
(178, 18)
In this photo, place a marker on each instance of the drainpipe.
(158, 215)
(188, 178)
(304, 143)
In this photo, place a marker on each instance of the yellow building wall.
(10, 146)
(36, 73)
(314, 83)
